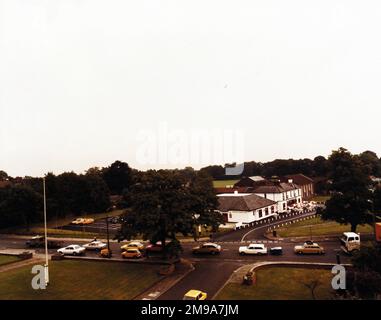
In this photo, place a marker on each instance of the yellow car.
(82, 221)
(195, 295)
(132, 245)
(131, 253)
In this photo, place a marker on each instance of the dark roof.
(299, 179)
(276, 188)
(243, 203)
(232, 190)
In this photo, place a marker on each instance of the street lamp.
(46, 266)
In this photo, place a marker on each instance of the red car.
(154, 247)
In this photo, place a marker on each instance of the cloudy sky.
(86, 82)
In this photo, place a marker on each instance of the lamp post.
(46, 266)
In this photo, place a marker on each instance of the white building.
(286, 195)
(240, 209)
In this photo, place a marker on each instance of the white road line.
(269, 225)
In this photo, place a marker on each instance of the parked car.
(276, 251)
(133, 244)
(95, 245)
(39, 242)
(253, 248)
(195, 295)
(207, 248)
(82, 221)
(131, 253)
(154, 247)
(309, 247)
(73, 250)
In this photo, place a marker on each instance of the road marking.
(272, 224)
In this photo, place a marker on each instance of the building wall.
(284, 198)
(250, 216)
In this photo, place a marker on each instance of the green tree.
(166, 203)
(3, 175)
(19, 205)
(118, 177)
(372, 163)
(350, 202)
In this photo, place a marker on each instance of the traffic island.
(280, 281)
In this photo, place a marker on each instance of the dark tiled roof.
(243, 203)
(299, 179)
(276, 188)
(232, 190)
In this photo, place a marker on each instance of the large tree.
(351, 198)
(118, 177)
(166, 203)
(19, 206)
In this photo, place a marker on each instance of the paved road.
(211, 272)
(256, 232)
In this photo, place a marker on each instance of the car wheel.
(242, 253)
(74, 253)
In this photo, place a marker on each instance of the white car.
(257, 249)
(95, 245)
(73, 250)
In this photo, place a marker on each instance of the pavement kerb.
(259, 265)
(173, 283)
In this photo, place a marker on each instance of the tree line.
(69, 193)
(318, 167)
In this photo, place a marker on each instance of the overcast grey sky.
(80, 79)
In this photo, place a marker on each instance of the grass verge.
(81, 280)
(281, 283)
(318, 227)
(6, 259)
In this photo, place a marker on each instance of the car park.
(195, 295)
(207, 248)
(276, 251)
(253, 248)
(309, 247)
(95, 245)
(133, 244)
(73, 250)
(132, 253)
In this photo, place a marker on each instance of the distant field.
(223, 183)
(5, 259)
(280, 283)
(80, 280)
(318, 227)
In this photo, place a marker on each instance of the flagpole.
(46, 267)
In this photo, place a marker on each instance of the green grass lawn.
(318, 227)
(80, 280)
(5, 259)
(223, 183)
(281, 283)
